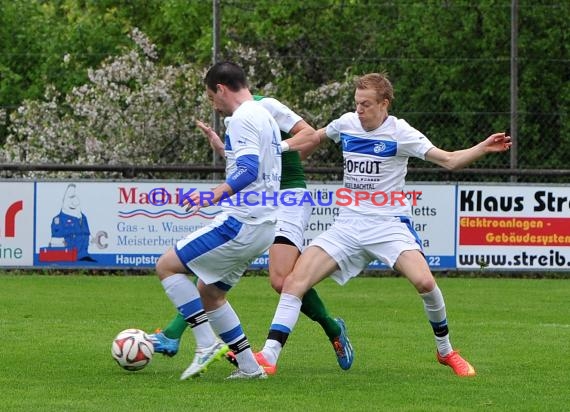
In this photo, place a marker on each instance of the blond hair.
(378, 82)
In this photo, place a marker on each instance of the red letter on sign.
(10, 218)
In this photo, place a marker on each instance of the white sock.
(185, 296)
(284, 320)
(226, 324)
(434, 306)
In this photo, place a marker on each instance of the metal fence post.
(216, 159)
(514, 87)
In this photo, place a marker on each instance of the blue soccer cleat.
(342, 347)
(163, 344)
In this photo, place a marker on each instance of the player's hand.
(204, 127)
(498, 142)
(213, 138)
(192, 203)
(192, 210)
(207, 130)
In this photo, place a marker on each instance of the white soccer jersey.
(375, 162)
(253, 131)
(283, 115)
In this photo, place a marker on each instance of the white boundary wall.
(462, 226)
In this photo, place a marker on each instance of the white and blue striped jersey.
(376, 162)
(253, 131)
(283, 115)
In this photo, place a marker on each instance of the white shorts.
(292, 220)
(355, 242)
(221, 252)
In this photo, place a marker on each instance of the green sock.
(176, 327)
(314, 308)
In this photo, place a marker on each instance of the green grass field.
(57, 331)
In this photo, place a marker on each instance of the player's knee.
(295, 284)
(425, 284)
(162, 268)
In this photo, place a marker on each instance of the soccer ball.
(132, 349)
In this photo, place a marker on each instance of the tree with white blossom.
(133, 111)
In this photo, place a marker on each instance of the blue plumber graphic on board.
(70, 232)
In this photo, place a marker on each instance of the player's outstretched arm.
(305, 141)
(214, 140)
(496, 143)
(305, 130)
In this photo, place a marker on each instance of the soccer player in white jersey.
(219, 253)
(376, 147)
(292, 221)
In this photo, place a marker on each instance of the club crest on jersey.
(379, 147)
